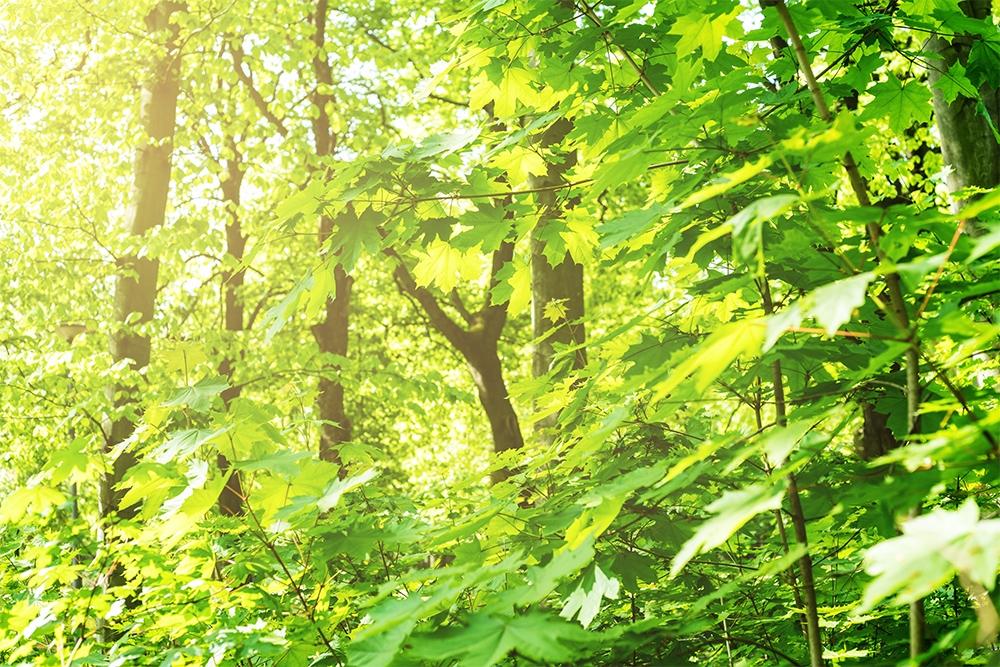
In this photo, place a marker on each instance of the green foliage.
(750, 407)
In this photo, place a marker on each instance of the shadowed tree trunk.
(231, 498)
(478, 343)
(331, 333)
(560, 285)
(135, 291)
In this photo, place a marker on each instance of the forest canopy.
(502, 332)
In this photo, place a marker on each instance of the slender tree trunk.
(487, 372)
(897, 310)
(479, 346)
(332, 332)
(135, 291)
(810, 612)
(231, 498)
(331, 335)
(968, 143)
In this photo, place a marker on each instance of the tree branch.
(246, 78)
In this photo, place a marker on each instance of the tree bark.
(487, 372)
(332, 332)
(231, 498)
(479, 346)
(560, 283)
(968, 144)
(331, 335)
(135, 290)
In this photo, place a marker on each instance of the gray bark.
(967, 141)
(562, 282)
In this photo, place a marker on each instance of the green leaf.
(701, 30)
(623, 169)
(832, 305)
(954, 83)
(306, 201)
(776, 443)
(901, 104)
(984, 62)
(932, 548)
(444, 143)
(543, 579)
(515, 86)
(276, 316)
(980, 205)
(69, 463)
(628, 226)
(585, 601)
(184, 443)
(331, 497)
(484, 226)
(488, 639)
(34, 499)
(353, 236)
(513, 286)
(712, 357)
(445, 266)
(726, 182)
(731, 511)
(200, 395)
(183, 518)
(285, 463)
(746, 225)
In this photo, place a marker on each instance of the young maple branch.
(811, 611)
(595, 19)
(896, 300)
(440, 320)
(780, 518)
(526, 191)
(306, 607)
(937, 275)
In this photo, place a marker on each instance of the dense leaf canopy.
(505, 332)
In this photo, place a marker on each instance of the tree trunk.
(479, 346)
(331, 333)
(231, 498)
(135, 291)
(487, 372)
(967, 141)
(562, 282)
(331, 336)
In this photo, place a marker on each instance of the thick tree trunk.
(561, 283)
(135, 291)
(231, 498)
(557, 290)
(331, 333)
(967, 142)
